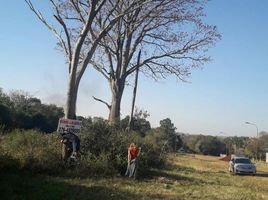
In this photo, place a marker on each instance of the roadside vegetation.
(103, 149)
(187, 177)
(31, 165)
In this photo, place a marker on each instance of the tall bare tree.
(171, 34)
(76, 20)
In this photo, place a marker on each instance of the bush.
(33, 150)
(103, 151)
(107, 146)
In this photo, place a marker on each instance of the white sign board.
(266, 157)
(70, 126)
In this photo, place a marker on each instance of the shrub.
(103, 151)
(33, 150)
(107, 145)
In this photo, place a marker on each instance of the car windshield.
(242, 160)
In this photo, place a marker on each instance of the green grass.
(188, 177)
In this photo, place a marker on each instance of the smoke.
(54, 91)
(55, 98)
(54, 88)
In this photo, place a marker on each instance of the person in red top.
(133, 153)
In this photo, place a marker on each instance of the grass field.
(188, 177)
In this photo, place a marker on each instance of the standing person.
(132, 167)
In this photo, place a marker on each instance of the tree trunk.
(117, 88)
(70, 109)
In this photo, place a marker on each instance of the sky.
(217, 99)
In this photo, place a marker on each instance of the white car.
(242, 165)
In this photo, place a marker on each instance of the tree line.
(20, 110)
(214, 145)
(23, 111)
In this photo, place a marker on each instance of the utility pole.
(134, 93)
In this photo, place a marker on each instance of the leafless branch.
(76, 7)
(108, 105)
(100, 69)
(60, 20)
(50, 27)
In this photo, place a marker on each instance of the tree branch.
(60, 20)
(50, 27)
(102, 70)
(76, 7)
(108, 105)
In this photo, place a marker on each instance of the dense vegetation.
(21, 110)
(103, 149)
(33, 153)
(25, 123)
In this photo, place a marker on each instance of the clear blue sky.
(228, 91)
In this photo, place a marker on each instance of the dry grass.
(188, 177)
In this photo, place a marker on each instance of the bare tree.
(76, 20)
(171, 35)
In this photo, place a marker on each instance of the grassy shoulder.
(187, 177)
